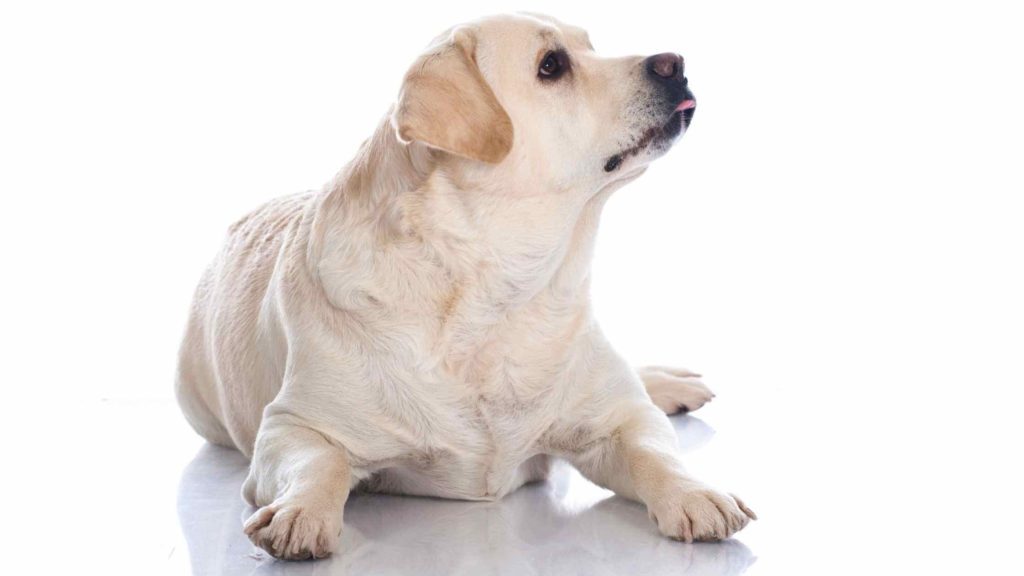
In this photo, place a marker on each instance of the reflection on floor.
(563, 526)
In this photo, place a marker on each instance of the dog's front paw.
(674, 389)
(700, 514)
(293, 531)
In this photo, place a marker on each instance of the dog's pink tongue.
(686, 105)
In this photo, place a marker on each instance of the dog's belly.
(466, 480)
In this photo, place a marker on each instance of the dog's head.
(528, 93)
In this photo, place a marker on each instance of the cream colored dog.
(422, 325)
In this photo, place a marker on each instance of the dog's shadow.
(565, 525)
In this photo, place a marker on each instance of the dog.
(422, 325)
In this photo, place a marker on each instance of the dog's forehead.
(576, 37)
(532, 29)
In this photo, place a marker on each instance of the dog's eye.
(553, 65)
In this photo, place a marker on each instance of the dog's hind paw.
(675, 390)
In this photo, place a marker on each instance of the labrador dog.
(422, 324)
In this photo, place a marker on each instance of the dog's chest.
(489, 444)
(499, 342)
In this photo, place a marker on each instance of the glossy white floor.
(563, 526)
(143, 494)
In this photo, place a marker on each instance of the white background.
(836, 244)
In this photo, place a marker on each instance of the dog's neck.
(446, 220)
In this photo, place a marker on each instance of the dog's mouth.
(658, 136)
(681, 116)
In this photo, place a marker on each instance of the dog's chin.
(656, 140)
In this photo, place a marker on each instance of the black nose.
(667, 66)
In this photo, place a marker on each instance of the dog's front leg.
(299, 482)
(639, 460)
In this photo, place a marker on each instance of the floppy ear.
(446, 103)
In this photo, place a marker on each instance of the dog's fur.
(422, 325)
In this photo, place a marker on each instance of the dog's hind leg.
(674, 390)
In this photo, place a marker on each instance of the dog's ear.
(446, 103)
